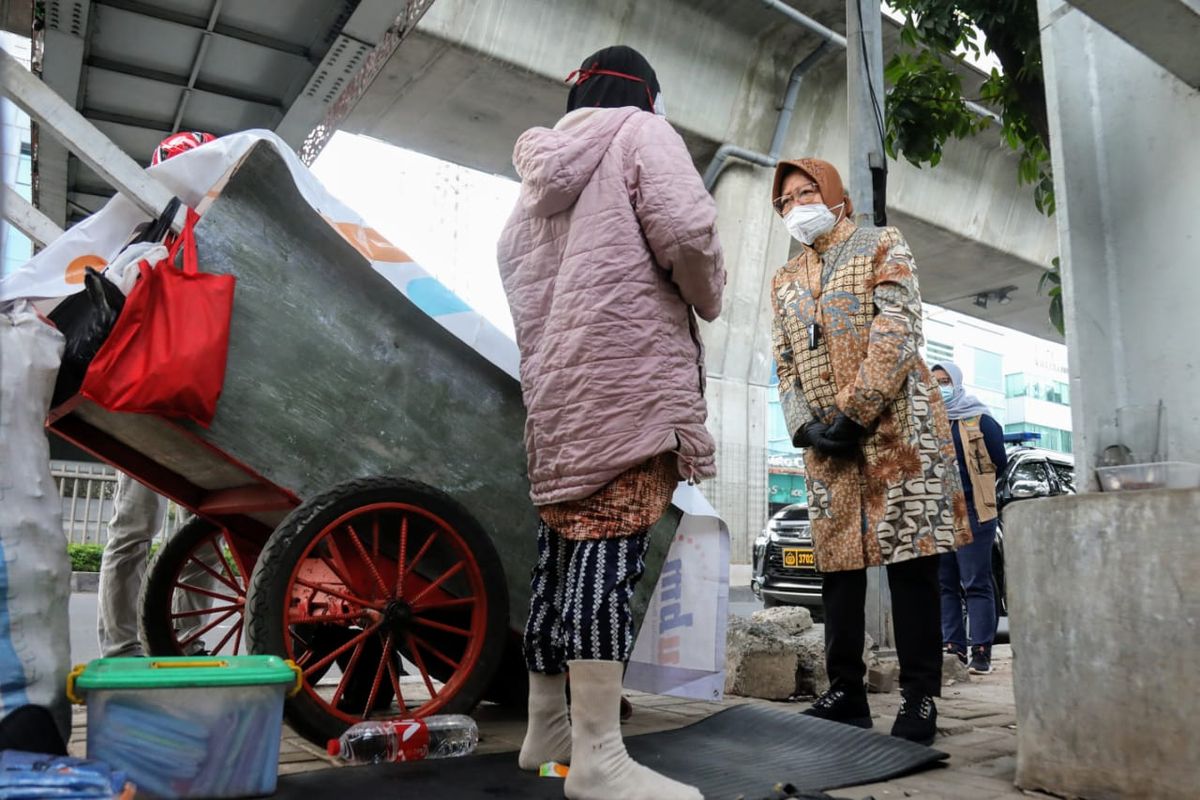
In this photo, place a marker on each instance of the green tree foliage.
(926, 103)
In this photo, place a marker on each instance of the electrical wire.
(875, 105)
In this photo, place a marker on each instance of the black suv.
(784, 572)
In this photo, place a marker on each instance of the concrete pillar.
(1103, 592)
(1127, 183)
(739, 352)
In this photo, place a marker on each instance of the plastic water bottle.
(441, 736)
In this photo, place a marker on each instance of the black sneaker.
(981, 661)
(958, 652)
(917, 720)
(838, 705)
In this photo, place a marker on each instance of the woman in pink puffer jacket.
(610, 253)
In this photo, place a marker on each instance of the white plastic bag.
(124, 271)
(35, 573)
(680, 649)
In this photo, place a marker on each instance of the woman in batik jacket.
(883, 485)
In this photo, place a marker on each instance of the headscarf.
(614, 77)
(961, 405)
(822, 173)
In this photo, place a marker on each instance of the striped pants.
(579, 608)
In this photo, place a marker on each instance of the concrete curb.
(85, 581)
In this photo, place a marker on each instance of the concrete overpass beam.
(1165, 30)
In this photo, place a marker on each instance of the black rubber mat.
(744, 751)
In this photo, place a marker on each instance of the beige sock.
(548, 735)
(601, 769)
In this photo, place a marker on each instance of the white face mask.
(806, 222)
(660, 105)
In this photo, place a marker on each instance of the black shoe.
(981, 661)
(917, 720)
(958, 652)
(838, 705)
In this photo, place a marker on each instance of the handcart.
(360, 499)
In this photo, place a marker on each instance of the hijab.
(961, 405)
(614, 77)
(824, 175)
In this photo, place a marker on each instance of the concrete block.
(793, 619)
(954, 671)
(1104, 594)
(85, 581)
(760, 660)
(883, 675)
(811, 678)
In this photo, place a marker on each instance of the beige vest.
(979, 467)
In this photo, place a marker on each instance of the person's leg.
(548, 735)
(954, 633)
(138, 517)
(915, 605)
(975, 566)
(598, 634)
(844, 596)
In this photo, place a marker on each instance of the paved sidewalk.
(975, 719)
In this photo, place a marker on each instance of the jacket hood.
(554, 164)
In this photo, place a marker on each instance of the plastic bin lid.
(178, 672)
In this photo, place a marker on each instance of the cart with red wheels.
(359, 502)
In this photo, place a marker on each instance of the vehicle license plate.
(798, 557)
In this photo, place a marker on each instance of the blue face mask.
(947, 392)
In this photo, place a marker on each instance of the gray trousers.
(138, 517)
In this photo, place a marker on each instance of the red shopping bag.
(166, 353)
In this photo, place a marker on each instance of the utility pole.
(867, 185)
(864, 81)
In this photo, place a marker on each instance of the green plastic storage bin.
(185, 727)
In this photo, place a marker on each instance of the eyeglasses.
(802, 196)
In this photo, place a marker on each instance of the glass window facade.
(1052, 438)
(1052, 391)
(937, 352)
(989, 370)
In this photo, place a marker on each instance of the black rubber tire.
(154, 621)
(265, 629)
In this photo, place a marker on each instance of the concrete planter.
(1104, 599)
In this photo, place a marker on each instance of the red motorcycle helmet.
(178, 143)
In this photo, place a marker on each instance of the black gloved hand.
(844, 429)
(840, 439)
(808, 433)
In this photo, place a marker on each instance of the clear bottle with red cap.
(440, 736)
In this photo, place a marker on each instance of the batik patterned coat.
(903, 497)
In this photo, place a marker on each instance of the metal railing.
(88, 493)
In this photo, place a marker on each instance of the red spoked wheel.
(391, 599)
(194, 597)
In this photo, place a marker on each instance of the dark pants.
(579, 605)
(914, 587)
(967, 574)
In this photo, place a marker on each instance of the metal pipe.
(807, 22)
(727, 151)
(789, 98)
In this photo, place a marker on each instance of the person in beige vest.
(966, 575)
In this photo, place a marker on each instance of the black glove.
(845, 429)
(808, 433)
(840, 439)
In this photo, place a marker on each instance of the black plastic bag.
(85, 321)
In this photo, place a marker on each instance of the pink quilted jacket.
(612, 244)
